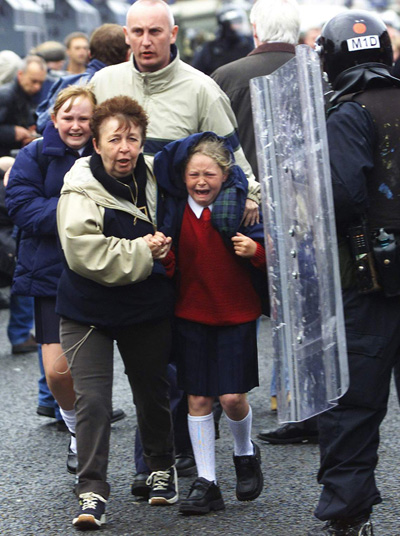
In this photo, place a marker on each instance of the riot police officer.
(233, 40)
(363, 131)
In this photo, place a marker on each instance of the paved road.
(36, 497)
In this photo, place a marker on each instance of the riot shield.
(304, 283)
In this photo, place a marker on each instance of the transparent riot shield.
(306, 305)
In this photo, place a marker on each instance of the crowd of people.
(132, 215)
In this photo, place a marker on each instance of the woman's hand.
(159, 244)
(244, 246)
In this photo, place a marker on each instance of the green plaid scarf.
(226, 211)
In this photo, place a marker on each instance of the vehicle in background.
(66, 16)
(22, 25)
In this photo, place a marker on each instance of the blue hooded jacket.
(229, 206)
(32, 195)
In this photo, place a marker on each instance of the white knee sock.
(70, 421)
(202, 436)
(241, 431)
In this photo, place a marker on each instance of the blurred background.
(24, 24)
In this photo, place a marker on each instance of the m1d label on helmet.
(362, 43)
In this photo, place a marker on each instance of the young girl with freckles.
(32, 195)
(216, 308)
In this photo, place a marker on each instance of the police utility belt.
(376, 256)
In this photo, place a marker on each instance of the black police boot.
(361, 526)
(289, 433)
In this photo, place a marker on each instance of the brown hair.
(74, 35)
(107, 44)
(73, 92)
(125, 109)
(214, 148)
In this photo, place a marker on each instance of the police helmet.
(233, 19)
(353, 38)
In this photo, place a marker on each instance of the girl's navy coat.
(31, 198)
(229, 206)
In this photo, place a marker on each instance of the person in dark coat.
(17, 107)
(276, 30)
(32, 196)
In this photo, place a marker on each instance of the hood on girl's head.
(169, 162)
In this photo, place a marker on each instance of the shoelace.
(365, 529)
(158, 480)
(89, 501)
(368, 530)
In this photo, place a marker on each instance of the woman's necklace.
(135, 198)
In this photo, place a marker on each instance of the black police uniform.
(363, 132)
(231, 41)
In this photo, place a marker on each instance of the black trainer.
(249, 477)
(163, 487)
(356, 527)
(203, 497)
(139, 486)
(91, 513)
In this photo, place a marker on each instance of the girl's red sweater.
(214, 284)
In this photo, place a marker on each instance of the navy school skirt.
(47, 321)
(216, 360)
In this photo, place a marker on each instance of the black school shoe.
(249, 477)
(117, 415)
(356, 527)
(72, 459)
(185, 463)
(91, 515)
(139, 486)
(46, 411)
(203, 497)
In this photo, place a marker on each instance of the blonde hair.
(213, 148)
(73, 92)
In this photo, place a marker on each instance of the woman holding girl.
(115, 287)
